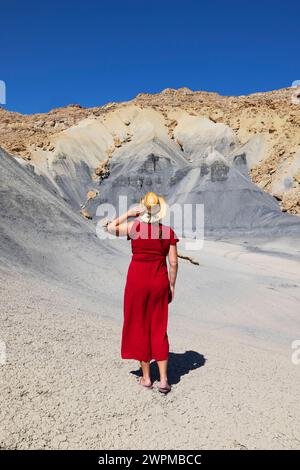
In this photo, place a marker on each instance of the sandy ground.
(231, 325)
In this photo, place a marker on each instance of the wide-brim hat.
(155, 212)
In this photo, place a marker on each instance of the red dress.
(146, 294)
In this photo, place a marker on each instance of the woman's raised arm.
(119, 226)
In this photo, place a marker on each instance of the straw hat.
(155, 207)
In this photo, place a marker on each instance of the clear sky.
(90, 52)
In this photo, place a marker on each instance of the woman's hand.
(135, 211)
(172, 293)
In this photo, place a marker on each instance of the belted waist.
(147, 257)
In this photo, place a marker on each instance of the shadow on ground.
(179, 365)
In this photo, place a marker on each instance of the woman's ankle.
(164, 379)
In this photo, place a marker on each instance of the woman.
(149, 288)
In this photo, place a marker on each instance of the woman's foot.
(164, 386)
(146, 382)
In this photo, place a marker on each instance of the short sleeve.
(173, 238)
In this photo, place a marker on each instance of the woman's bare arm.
(119, 226)
(173, 262)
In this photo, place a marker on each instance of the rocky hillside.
(264, 125)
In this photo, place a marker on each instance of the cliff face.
(20, 134)
(272, 118)
(265, 126)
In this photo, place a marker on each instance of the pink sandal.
(164, 390)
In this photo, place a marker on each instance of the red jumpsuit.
(146, 294)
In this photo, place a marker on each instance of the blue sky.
(91, 52)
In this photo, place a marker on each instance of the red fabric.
(146, 294)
